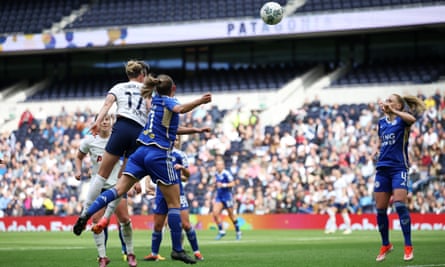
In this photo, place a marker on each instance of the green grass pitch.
(277, 248)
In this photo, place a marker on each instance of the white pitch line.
(426, 265)
(42, 248)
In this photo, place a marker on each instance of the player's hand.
(137, 188)
(94, 130)
(77, 175)
(178, 166)
(206, 98)
(205, 130)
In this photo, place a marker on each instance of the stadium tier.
(37, 16)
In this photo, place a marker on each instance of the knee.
(186, 226)
(158, 228)
(400, 206)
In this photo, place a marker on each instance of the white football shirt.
(95, 146)
(129, 101)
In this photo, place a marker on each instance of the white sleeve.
(85, 144)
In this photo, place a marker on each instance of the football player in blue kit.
(224, 199)
(392, 167)
(181, 165)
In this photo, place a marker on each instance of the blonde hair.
(134, 68)
(163, 84)
(414, 103)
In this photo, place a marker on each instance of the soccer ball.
(271, 13)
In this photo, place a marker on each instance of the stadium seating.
(393, 71)
(22, 16)
(261, 77)
(116, 12)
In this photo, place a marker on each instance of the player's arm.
(134, 190)
(230, 184)
(191, 130)
(109, 101)
(149, 186)
(185, 173)
(78, 164)
(405, 116)
(376, 149)
(184, 108)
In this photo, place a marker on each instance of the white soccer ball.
(271, 13)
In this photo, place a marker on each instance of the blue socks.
(235, 223)
(174, 222)
(383, 224)
(156, 239)
(101, 201)
(405, 221)
(191, 236)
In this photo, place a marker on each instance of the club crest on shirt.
(377, 184)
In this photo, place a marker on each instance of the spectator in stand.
(392, 167)
(23, 170)
(26, 119)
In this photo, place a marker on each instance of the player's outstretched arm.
(184, 108)
(192, 130)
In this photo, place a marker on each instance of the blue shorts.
(123, 137)
(154, 161)
(160, 206)
(388, 179)
(227, 201)
(341, 206)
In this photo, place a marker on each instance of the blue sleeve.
(170, 103)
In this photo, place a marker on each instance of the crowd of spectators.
(285, 168)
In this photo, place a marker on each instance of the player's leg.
(191, 233)
(160, 215)
(331, 224)
(217, 209)
(105, 220)
(110, 210)
(123, 245)
(98, 180)
(99, 240)
(171, 195)
(400, 195)
(127, 230)
(156, 238)
(346, 220)
(234, 220)
(123, 185)
(382, 194)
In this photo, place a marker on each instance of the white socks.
(127, 234)
(100, 244)
(96, 185)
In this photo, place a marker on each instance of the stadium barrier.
(247, 222)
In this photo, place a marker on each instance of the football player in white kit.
(95, 147)
(338, 203)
